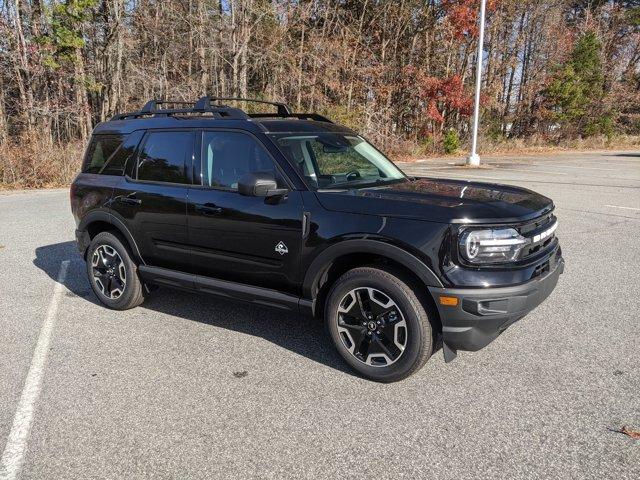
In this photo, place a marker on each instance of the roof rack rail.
(207, 104)
(151, 109)
(204, 102)
(301, 116)
(152, 105)
(283, 110)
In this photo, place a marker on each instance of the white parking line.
(457, 176)
(494, 169)
(581, 167)
(439, 168)
(625, 162)
(625, 208)
(14, 450)
(610, 164)
(532, 171)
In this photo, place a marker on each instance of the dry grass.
(533, 145)
(32, 162)
(540, 144)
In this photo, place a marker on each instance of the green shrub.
(451, 141)
(604, 125)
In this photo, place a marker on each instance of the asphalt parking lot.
(188, 386)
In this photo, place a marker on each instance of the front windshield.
(333, 160)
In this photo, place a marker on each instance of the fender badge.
(281, 248)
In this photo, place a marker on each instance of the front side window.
(333, 160)
(164, 156)
(101, 148)
(226, 156)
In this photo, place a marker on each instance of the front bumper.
(482, 314)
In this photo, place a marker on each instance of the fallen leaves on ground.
(630, 432)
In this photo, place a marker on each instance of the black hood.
(441, 200)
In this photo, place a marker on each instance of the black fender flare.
(325, 260)
(107, 217)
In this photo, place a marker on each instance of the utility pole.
(474, 158)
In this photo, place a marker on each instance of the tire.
(391, 348)
(112, 273)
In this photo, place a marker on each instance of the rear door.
(250, 240)
(152, 197)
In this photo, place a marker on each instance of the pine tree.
(575, 93)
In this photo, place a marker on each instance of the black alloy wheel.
(109, 273)
(372, 326)
(112, 273)
(377, 319)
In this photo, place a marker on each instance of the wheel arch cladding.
(337, 259)
(105, 222)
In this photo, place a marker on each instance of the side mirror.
(259, 184)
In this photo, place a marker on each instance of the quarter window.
(115, 165)
(226, 156)
(100, 149)
(164, 156)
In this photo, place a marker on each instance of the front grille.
(532, 229)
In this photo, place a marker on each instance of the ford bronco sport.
(292, 211)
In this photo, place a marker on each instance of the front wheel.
(112, 273)
(378, 324)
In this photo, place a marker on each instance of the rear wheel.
(112, 273)
(378, 324)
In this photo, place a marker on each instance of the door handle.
(130, 200)
(209, 209)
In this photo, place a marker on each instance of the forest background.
(556, 74)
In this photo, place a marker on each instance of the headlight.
(495, 245)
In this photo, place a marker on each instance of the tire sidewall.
(106, 238)
(418, 334)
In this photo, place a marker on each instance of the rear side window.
(101, 148)
(164, 157)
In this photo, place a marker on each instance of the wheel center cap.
(372, 325)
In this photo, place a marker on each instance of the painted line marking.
(439, 168)
(610, 164)
(15, 449)
(581, 167)
(456, 176)
(529, 170)
(626, 208)
(603, 161)
(494, 169)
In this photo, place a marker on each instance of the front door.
(244, 239)
(152, 198)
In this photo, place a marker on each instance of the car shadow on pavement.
(298, 333)
(629, 154)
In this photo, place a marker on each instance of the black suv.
(295, 212)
